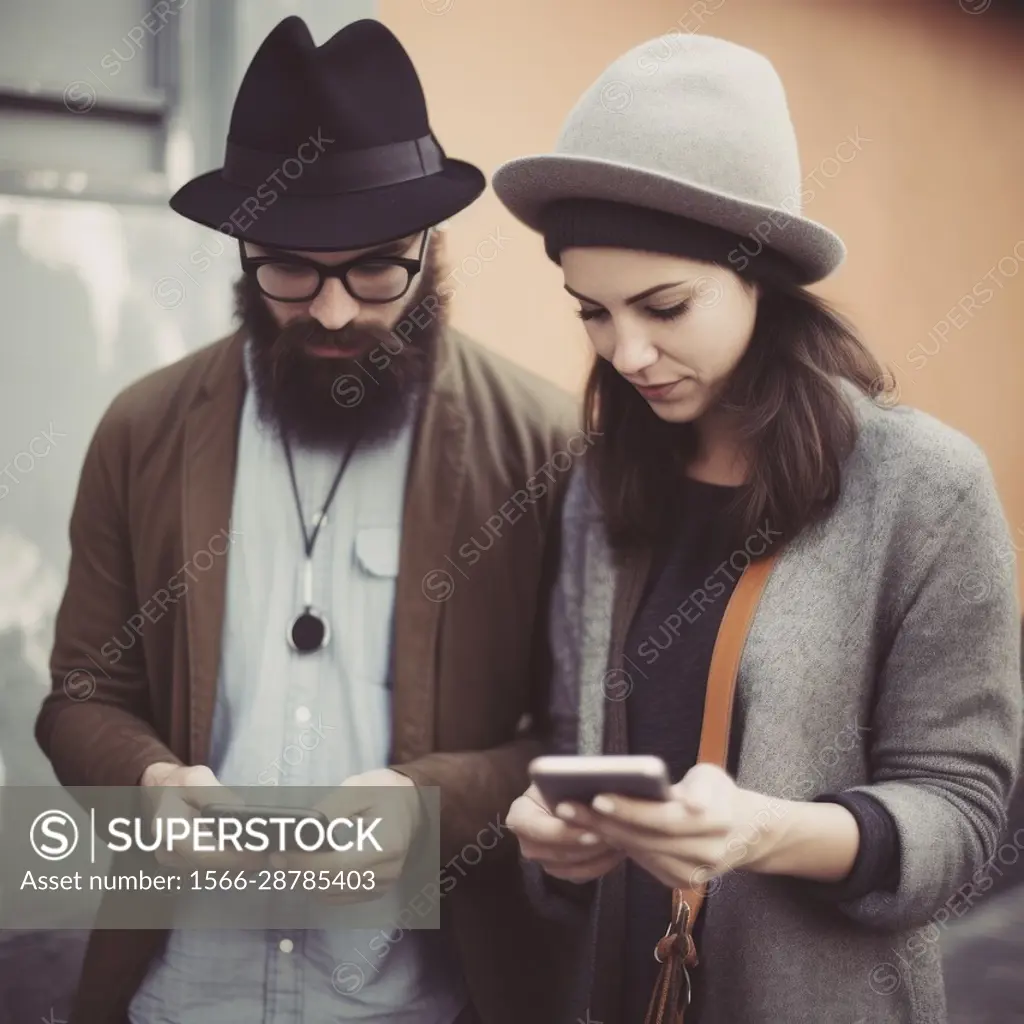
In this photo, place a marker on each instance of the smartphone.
(246, 812)
(579, 779)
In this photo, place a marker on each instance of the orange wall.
(928, 207)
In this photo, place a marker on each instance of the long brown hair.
(786, 397)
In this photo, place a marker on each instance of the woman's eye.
(591, 314)
(669, 312)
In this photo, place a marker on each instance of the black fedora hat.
(329, 147)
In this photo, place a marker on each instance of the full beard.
(327, 403)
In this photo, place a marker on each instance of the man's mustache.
(302, 333)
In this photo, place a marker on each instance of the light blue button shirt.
(283, 718)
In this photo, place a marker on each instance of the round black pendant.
(308, 632)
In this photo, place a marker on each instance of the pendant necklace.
(309, 631)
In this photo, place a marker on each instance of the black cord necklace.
(309, 631)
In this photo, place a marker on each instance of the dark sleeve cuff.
(554, 898)
(877, 865)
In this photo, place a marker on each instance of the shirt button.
(286, 945)
(302, 714)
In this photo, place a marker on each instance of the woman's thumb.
(703, 787)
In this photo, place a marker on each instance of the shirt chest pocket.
(374, 576)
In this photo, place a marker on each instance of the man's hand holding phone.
(181, 791)
(377, 870)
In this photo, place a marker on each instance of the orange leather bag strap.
(676, 951)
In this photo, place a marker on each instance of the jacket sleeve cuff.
(554, 899)
(877, 864)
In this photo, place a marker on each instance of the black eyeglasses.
(373, 279)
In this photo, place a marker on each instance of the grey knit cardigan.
(884, 657)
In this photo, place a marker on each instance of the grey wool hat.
(703, 134)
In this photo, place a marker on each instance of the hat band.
(313, 172)
(607, 223)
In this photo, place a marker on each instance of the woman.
(877, 721)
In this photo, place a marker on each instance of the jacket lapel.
(633, 568)
(433, 496)
(208, 482)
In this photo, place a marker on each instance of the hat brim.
(528, 184)
(272, 216)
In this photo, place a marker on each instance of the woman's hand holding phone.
(683, 841)
(585, 814)
(564, 850)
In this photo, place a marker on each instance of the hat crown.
(360, 89)
(329, 148)
(698, 109)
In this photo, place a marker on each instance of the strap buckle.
(677, 930)
(675, 949)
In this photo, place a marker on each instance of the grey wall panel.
(95, 296)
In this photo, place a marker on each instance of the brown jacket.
(157, 485)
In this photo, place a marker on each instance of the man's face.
(329, 368)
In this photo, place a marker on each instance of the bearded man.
(331, 533)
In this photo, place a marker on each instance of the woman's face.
(675, 328)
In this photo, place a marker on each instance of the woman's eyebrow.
(640, 296)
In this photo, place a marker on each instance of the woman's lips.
(659, 392)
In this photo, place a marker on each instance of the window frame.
(178, 58)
